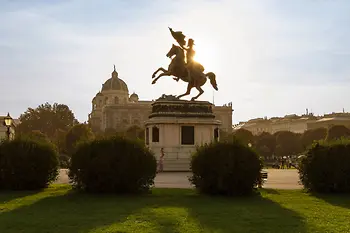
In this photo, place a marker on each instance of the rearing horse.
(178, 69)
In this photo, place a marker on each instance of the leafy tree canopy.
(337, 132)
(265, 144)
(47, 119)
(311, 135)
(243, 135)
(76, 134)
(287, 143)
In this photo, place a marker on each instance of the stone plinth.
(179, 126)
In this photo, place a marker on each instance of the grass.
(59, 209)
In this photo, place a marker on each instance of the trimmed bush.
(27, 164)
(326, 167)
(112, 165)
(225, 168)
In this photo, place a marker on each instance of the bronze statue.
(179, 37)
(184, 67)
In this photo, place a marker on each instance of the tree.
(135, 132)
(245, 136)
(47, 119)
(36, 135)
(287, 143)
(337, 131)
(311, 135)
(109, 132)
(76, 134)
(265, 144)
(224, 135)
(60, 141)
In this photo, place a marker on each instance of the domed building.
(113, 107)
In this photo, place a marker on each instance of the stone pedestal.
(179, 126)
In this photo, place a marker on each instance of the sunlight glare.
(204, 54)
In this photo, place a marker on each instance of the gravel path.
(277, 179)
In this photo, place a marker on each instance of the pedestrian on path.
(161, 158)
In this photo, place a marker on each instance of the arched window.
(106, 99)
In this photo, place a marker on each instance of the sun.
(203, 54)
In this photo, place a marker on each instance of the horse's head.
(174, 51)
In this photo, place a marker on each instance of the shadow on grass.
(6, 196)
(341, 200)
(270, 191)
(166, 210)
(250, 214)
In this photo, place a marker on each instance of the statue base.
(179, 126)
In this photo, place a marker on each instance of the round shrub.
(326, 167)
(225, 168)
(114, 165)
(27, 164)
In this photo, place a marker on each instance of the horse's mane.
(180, 48)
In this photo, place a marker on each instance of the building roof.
(334, 119)
(115, 83)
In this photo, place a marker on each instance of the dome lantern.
(114, 73)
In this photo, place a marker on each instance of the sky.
(271, 57)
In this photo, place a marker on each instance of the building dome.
(115, 83)
(134, 97)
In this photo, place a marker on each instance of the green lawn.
(58, 209)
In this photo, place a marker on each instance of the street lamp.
(8, 124)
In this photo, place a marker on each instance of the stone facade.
(178, 127)
(294, 123)
(113, 107)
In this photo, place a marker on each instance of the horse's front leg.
(189, 87)
(160, 69)
(167, 73)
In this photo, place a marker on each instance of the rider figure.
(189, 58)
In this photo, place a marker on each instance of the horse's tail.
(212, 78)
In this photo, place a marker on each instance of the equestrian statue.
(184, 67)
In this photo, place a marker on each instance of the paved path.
(277, 179)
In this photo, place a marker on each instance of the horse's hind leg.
(200, 93)
(160, 69)
(189, 87)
